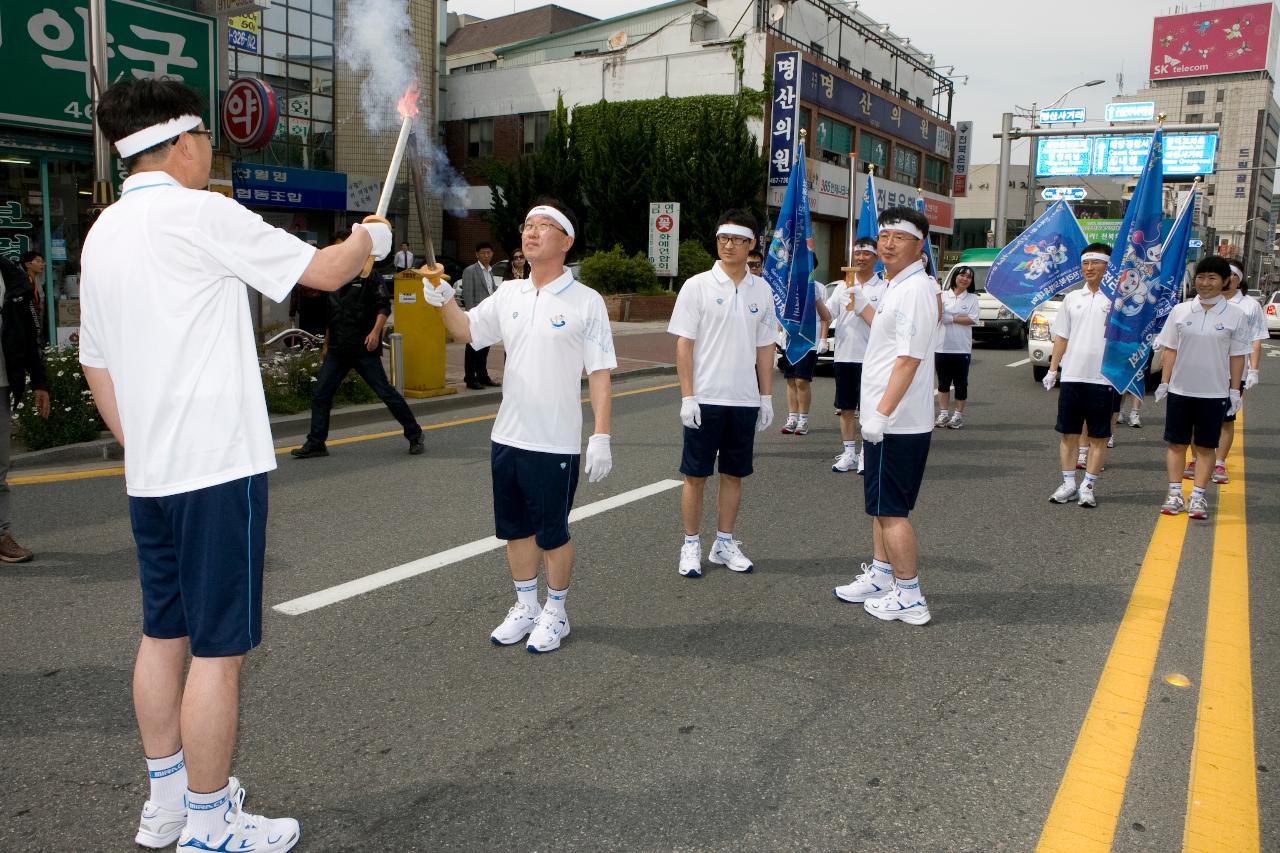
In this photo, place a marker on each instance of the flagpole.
(848, 231)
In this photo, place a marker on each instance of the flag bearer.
(852, 308)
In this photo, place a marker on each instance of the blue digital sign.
(1064, 156)
(1073, 156)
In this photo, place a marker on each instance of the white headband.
(904, 226)
(1095, 256)
(148, 137)
(1239, 272)
(866, 248)
(735, 230)
(553, 214)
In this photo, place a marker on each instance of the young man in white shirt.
(404, 258)
(897, 419)
(1235, 294)
(724, 325)
(1205, 343)
(553, 328)
(1086, 401)
(799, 374)
(852, 308)
(167, 344)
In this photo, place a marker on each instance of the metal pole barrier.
(397, 362)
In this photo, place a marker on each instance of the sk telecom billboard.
(1218, 41)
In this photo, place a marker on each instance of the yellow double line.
(1222, 795)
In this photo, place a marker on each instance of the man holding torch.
(167, 345)
(553, 329)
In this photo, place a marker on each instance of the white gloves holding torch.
(379, 231)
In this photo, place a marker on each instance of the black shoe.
(309, 450)
(475, 386)
(489, 383)
(417, 445)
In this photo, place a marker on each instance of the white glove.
(822, 346)
(765, 417)
(436, 296)
(690, 412)
(1235, 402)
(599, 458)
(380, 233)
(1162, 391)
(1251, 378)
(948, 318)
(873, 424)
(1050, 379)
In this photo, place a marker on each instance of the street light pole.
(103, 189)
(1002, 179)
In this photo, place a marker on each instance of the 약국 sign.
(664, 237)
(249, 113)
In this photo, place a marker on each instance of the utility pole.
(1028, 213)
(103, 188)
(1002, 191)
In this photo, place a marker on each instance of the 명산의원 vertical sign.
(664, 237)
(46, 42)
(785, 117)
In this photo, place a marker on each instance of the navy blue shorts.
(1082, 404)
(728, 432)
(1194, 420)
(532, 494)
(802, 369)
(892, 474)
(848, 385)
(200, 558)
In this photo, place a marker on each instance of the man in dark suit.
(477, 285)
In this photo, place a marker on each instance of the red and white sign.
(249, 113)
(1216, 41)
(665, 223)
(664, 237)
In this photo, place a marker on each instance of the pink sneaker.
(1220, 474)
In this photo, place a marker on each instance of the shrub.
(72, 415)
(614, 272)
(694, 258)
(289, 379)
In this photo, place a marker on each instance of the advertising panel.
(1217, 41)
(1059, 156)
(280, 186)
(1073, 156)
(960, 175)
(785, 115)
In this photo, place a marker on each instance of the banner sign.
(1040, 263)
(1214, 41)
(46, 52)
(1064, 156)
(1112, 155)
(785, 115)
(280, 186)
(1131, 111)
(1063, 115)
(664, 237)
(960, 174)
(844, 98)
(243, 32)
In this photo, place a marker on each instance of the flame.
(407, 106)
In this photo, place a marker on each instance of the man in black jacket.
(357, 314)
(19, 356)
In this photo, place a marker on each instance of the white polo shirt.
(551, 334)
(957, 337)
(906, 325)
(727, 324)
(1253, 311)
(1082, 321)
(163, 307)
(1206, 337)
(851, 330)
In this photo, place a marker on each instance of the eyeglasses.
(755, 264)
(540, 227)
(207, 134)
(895, 237)
(731, 240)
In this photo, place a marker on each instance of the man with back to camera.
(477, 286)
(1086, 400)
(553, 328)
(897, 419)
(724, 325)
(852, 309)
(1235, 294)
(167, 344)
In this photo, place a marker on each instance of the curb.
(296, 425)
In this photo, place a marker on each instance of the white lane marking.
(395, 574)
(1019, 363)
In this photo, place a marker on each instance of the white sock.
(1089, 480)
(1175, 489)
(909, 589)
(882, 568)
(168, 780)
(692, 539)
(804, 417)
(850, 447)
(943, 413)
(206, 813)
(527, 592)
(1069, 477)
(793, 416)
(555, 599)
(1196, 492)
(722, 537)
(1221, 462)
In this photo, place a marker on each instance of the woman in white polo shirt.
(1205, 343)
(951, 361)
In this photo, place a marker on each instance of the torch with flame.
(407, 107)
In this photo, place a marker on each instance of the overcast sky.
(1015, 52)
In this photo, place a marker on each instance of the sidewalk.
(642, 348)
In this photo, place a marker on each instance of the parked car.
(1040, 341)
(996, 322)
(1272, 310)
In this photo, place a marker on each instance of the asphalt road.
(732, 713)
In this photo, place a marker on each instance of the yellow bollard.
(423, 334)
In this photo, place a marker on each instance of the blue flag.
(1042, 262)
(1133, 279)
(788, 267)
(869, 217)
(930, 266)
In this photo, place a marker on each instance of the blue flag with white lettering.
(1133, 279)
(1040, 263)
(930, 266)
(869, 217)
(788, 266)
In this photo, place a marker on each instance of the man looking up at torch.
(553, 328)
(167, 345)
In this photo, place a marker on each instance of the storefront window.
(834, 141)
(906, 165)
(873, 149)
(935, 175)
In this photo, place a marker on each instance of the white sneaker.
(847, 461)
(517, 625)
(1082, 459)
(1087, 498)
(552, 627)
(943, 417)
(957, 420)
(691, 560)
(1111, 442)
(860, 459)
(1066, 493)
(1134, 420)
(246, 832)
(727, 553)
(160, 827)
(892, 606)
(869, 584)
